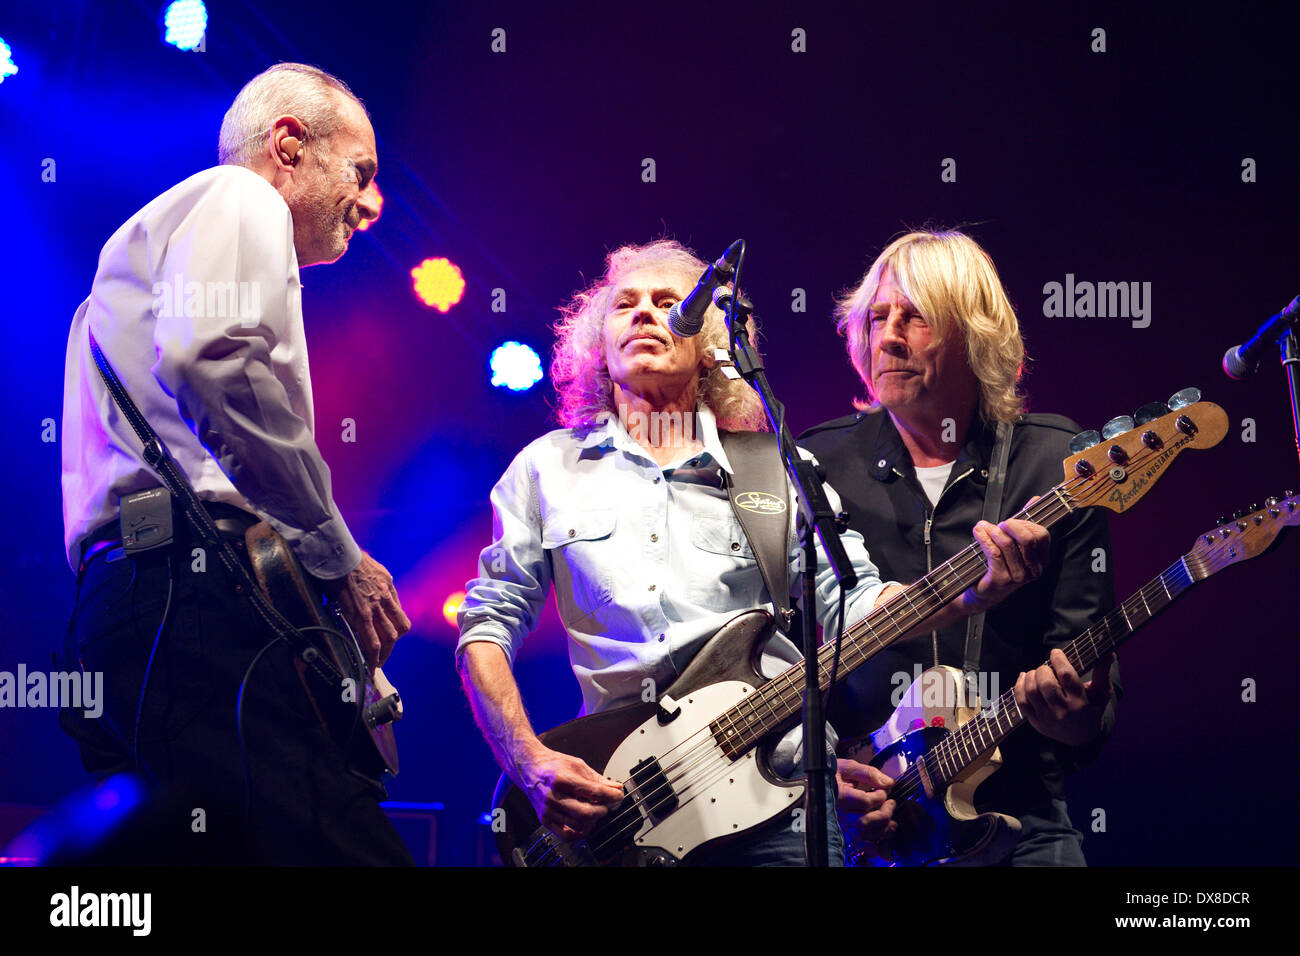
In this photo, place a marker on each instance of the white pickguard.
(718, 796)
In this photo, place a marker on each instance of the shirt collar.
(889, 454)
(609, 432)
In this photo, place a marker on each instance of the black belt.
(232, 522)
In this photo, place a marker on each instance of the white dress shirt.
(647, 562)
(197, 305)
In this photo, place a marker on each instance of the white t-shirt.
(933, 479)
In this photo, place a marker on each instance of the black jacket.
(869, 466)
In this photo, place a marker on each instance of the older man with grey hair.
(197, 305)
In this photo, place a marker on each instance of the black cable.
(144, 684)
(835, 658)
(239, 728)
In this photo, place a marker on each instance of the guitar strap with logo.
(992, 509)
(757, 489)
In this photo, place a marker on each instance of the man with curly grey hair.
(625, 513)
(197, 304)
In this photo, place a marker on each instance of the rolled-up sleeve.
(503, 604)
(219, 367)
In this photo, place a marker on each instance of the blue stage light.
(7, 66)
(186, 22)
(515, 366)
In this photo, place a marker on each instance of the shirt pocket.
(727, 577)
(581, 547)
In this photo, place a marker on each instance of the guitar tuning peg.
(1150, 412)
(1117, 426)
(1254, 507)
(1236, 515)
(1183, 398)
(1220, 521)
(1084, 440)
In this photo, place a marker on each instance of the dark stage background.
(524, 167)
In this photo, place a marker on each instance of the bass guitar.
(690, 765)
(939, 745)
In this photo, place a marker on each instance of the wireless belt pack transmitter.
(146, 520)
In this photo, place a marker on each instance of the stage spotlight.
(451, 606)
(438, 283)
(515, 366)
(186, 22)
(379, 210)
(7, 66)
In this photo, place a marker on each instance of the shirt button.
(735, 546)
(652, 587)
(984, 472)
(658, 479)
(572, 532)
(662, 636)
(881, 463)
(654, 537)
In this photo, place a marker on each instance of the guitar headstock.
(1115, 467)
(1244, 537)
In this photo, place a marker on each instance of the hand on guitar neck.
(370, 605)
(1016, 552)
(1058, 704)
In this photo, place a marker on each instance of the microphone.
(686, 318)
(1240, 360)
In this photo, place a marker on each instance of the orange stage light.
(438, 283)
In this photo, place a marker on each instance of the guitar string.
(701, 754)
(909, 785)
(785, 683)
(694, 756)
(725, 768)
(1104, 636)
(1150, 588)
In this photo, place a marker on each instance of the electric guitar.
(356, 707)
(939, 749)
(689, 762)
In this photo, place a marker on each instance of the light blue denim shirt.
(647, 562)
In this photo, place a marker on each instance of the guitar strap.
(157, 456)
(992, 509)
(756, 488)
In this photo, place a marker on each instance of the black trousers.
(302, 805)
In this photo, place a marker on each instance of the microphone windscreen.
(680, 325)
(1233, 366)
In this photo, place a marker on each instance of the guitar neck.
(782, 697)
(976, 737)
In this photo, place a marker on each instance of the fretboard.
(981, 734)
(781, 698)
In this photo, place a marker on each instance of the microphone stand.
(815, 518)
(1291, 364)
